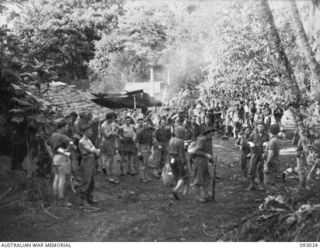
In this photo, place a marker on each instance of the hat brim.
(208, 131)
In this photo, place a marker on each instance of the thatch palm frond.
(316, 3)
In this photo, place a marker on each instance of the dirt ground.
(134, 211)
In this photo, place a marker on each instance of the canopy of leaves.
(127, 53)
(61, 34)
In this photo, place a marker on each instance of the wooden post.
(214, 178)
(152, 82)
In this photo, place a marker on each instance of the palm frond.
(316, 3)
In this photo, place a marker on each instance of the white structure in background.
(157, 89)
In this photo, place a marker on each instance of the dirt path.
(133, 211)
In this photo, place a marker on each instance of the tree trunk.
(289, 86)
(305, 46)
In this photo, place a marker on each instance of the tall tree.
(61, 33)
(127, 53)
(305, 45)
(289, 85)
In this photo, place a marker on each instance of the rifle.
(214, 178)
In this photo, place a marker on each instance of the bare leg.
(55, 184)
(61, 182)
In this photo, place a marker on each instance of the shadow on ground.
(134, 211)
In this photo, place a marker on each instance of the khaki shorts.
(61, 164)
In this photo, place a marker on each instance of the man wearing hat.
(257, 141)
(202, 153)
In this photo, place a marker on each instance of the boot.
(62, 202)
(104, 171)
(252, 185)
(175, 194)
(156, 173)
(147, 174)
(260, 186)
(91, 200)
(131, 171)
(198, 195)
(207, 197)
(143, 180)
(84, 203)
(122, 171)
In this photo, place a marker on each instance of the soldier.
(267, 115)
(194, 126)
(83, 120)
(127, 136)
(87, 166)
(202, 153)
(278, 114)
(75, 156)
(252, 113)
(272, 165)
(108, 147)
(58, 146)
(257, 141)
(162, 136)
(204, 126)
(19, 144)
(245, 150)
(178, 160)
(301, 159)
(145, 140)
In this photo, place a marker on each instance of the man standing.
(127, 136)
(75, 157)
(87, 166)
(267, 115)
(145, 140)
(178, 160)
(162, 136)
(202, 154)
(257, 141)
(123, 116)
(252, 112)
(272, 164)
(245, 151)
(58, 146)
(19, 144)
(206, 125)
(278, 113)
(83, 120)
(108, 148)
(138, 127)
(195, 127)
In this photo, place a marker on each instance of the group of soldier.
(147, 142)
